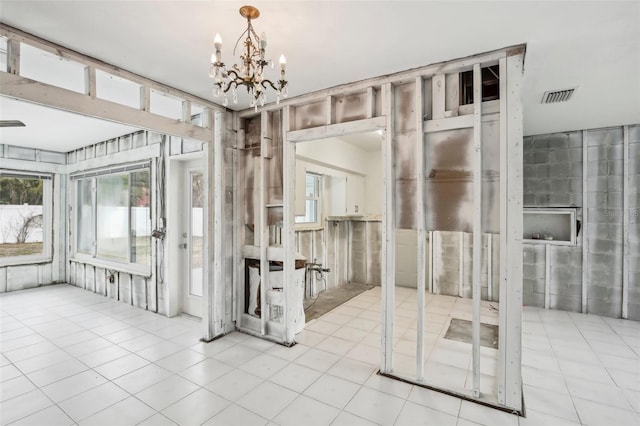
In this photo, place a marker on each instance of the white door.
(193, 241)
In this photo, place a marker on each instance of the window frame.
(317, 197)
(46, 255)
(92, 258)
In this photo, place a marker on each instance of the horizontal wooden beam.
(23, 37)
(336, 130)
(18, 87)
(454, 65)
(130, 156)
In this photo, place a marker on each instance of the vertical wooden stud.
(439, 96)
(13, 57)
(388, 231)
(422, 235)
(477, 224)
(371, 102)
(145, 98)
(90, 88)
(186, 111)
(288, 238)
(585, 222)
(625, 223)
(547, 276)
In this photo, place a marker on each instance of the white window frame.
(92, 259)
(47, 220)
(317, 198)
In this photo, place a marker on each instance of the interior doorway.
(338, 214)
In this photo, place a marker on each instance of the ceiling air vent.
(556, 96)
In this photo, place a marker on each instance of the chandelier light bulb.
(283, 62)
(217, 42)
(263, 40)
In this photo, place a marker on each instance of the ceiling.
(594, 46)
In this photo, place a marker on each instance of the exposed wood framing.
(460, 264)
(13, 57)
(422, 234)
(430, 255)
(371, 102)
(489, 267)
(585, 222)
(145, 98)
(477, 224)
(547, 275)
(263, 229)
(502, 283)
(90, 82)
(40, 93)
(215, 196)
(452, 123)
(186, 111)
(331, 110)
(340, 129)
(288, 231)
(512, 303)
(438, 90)
(626, 186)
(388, 231)
(14, 34)
(426, 72)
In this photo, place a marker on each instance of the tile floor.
(74, 357)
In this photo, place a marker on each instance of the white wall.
(355, 172)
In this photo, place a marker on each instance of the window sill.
(25, 260)
(113, 266)
(309, 227)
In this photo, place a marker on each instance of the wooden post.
(477, 224)
(422, 235)
(585, 222)
(288, 231)
(625, 223)
(388, 232)
(13, 57)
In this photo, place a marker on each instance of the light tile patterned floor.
(73, 357)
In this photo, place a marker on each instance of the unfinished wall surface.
(555, 175)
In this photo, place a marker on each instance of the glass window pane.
(85, 228)
(21, 216)
(140, 218)
(197, 233)
(113, 217)
(311, 186)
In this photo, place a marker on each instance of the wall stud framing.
(477, 224)
(547, 276)
(585, 222)
(288, 231)
(422, 235)
(388, 232)
(626, 186)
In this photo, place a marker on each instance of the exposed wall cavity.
(553, 177)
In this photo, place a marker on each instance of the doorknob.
(183, 245)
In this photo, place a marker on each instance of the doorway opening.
(338, 214)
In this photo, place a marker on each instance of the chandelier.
(250, 72)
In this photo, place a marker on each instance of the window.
(312, 200)
(25, 217)
(113, 217)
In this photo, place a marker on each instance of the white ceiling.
(54, 130)
(594, 46)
